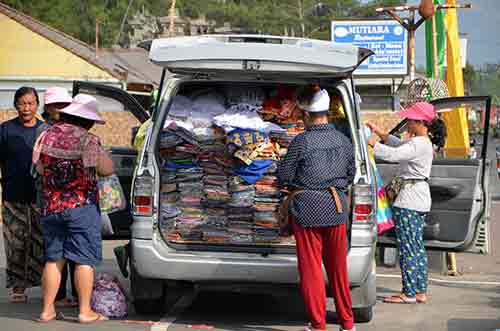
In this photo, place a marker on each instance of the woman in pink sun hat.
(413, 202)
(69, 160)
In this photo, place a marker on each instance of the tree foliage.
(309, 18)
(485, 81)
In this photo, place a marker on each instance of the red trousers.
(328, 246)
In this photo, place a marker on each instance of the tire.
(149, 295)
(363, 315)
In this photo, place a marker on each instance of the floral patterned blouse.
(68, 155)
(67, 184)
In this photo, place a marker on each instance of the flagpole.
(435, 61)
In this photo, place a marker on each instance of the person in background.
(69, 159)
(21, 229)
(318, 169)
(54, 99)
(414, 199)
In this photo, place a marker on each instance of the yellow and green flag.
(441, 42)
(457, 144)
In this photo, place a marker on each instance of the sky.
(481, 24)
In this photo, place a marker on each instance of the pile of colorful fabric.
(218, 175)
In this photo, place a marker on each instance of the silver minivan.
(161, 267)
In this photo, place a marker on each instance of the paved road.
(452, 307)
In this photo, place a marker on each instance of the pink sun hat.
(420, 111)
(56, 95)
(84, 106)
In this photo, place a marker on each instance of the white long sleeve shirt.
(415, 159)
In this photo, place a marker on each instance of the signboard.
(386, 38)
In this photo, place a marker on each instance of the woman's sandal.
(421, 298)
(67, 303)
(98, 318)
(401, 299)
(56, 316)
(18, 298)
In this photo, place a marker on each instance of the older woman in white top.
(413, 202)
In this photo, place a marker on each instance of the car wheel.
(149, 295)
(363, 315)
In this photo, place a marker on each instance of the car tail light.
(142, 202)
(362, 203)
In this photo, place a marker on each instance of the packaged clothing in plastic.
(111, 196)
(250, 95)
(244, 116)
(181, 107)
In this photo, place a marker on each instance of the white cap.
(319, 103)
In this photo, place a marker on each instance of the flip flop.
(401, 299)
(67, 303)
(420, 299)
(99, 318)
(57, 316)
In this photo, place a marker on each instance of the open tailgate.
(258, 55)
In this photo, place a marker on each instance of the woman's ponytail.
(437, 132)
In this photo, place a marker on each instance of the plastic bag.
(383, 214)
(107, 228)
(108, 296)
(111, 196)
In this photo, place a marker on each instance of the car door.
(458, 220)
(129, 113)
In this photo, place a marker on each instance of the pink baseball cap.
(56, 95)
(420, 111)
(84, 106)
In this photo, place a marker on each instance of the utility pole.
(411, 24)
(171, 30)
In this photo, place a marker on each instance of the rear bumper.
(154, 259)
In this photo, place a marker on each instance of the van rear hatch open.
(192, 181)
(257, 56)
(207, 200)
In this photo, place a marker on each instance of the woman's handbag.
(111, 196)
(397, 183)
(393, 188)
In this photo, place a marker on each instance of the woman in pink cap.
(69, 159)
(54, 99)
(413, 201)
